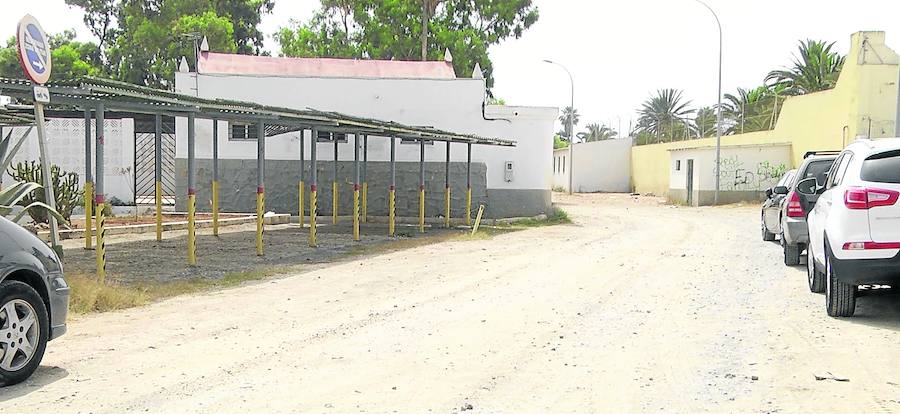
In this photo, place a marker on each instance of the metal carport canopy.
(87, 92)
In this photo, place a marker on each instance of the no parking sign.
(34, 50)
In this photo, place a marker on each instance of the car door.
(819, 215)
(815, 168)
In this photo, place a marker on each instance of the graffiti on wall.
(735, 176)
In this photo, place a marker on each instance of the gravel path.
(635, 307)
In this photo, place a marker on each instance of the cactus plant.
(65, 189)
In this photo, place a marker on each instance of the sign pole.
(46, 174)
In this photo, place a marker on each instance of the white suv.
(854, 228)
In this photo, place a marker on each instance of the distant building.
(509, 181)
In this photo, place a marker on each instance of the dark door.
(690, 182)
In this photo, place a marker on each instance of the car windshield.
(882, 168)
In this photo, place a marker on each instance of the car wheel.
(840, 298)
(766, 236)
(815, 278)
(24, 327)
(791, 253)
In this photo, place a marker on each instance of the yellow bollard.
(215, 207)
(88, 214)
(312, 216)
(469, 206)
(391, 225)
(422, 209)
(158, 201)
(101, 243)
(334, 202)
(300, 212)
(192, 229)
(356, 212)
(447, 207)
(365, 202)
(260, 207)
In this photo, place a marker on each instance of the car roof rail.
(828, 152)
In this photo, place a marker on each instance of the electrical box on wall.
(508, 171)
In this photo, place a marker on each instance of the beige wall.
(829, 120)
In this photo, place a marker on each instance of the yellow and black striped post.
(313, 176)
(421, 186)
(392, 189)
(99, 198)
(88, 214)
(88, 184)
(192, 192)
(365, 180)
(260, 186)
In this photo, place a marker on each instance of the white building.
(746, 171)
(509, 181)
(600, 167)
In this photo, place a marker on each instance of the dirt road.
(635, 307)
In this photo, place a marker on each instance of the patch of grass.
(88, 295)
(557, 216)
(559, 189)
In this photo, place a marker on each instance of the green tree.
(705, 122)
(815, 68)
(597, 132)
(753, 110)
(393, 29)
(558, 142)
(664, 115)
(100, 17)
(71, 59)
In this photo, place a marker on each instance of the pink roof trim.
(223, 63)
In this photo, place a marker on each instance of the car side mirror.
(768, 193)
(807, 186)
(781, 190)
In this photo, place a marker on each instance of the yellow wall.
(828, 120)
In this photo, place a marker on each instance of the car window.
(837, 171)
(815, 169)
(786, 178)
(882, 168)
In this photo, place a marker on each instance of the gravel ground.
(637, 306)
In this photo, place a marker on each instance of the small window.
(331, 136)
(882, 168)
(243, 132)
(677, 165)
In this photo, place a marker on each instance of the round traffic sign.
(34, 50)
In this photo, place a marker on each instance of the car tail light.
(794, 208)
(869, 245)
(863, 198)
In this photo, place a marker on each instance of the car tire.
(766, 236)
(815, 278)
(840, 297)
(791, 253)
(22, 299)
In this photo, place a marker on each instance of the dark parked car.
(34, 301)
(786, 209)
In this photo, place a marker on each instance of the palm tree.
(663, 115)
(705, 122)
(597, 132)
(754, 109)
(816, 68)
(564, 119)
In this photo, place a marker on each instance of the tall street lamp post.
(719, 107)
(570, 122)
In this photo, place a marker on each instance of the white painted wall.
(601, 166)
(453, 105)
(744, 168)
(66, 148)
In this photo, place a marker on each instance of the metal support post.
(469, 184)
(365, 180)
(49, 197)
(421, 186)
(392, 189)
(88, 184)
(192, 191)
(356, 187)
(215, 180)
(313, 176)
(300, 187)
(447, 189)
(157, 163)
(98, 194)
(335, 197)
(260, 185)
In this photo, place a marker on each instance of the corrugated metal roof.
(225, 63)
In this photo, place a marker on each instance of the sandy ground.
(635, 307)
